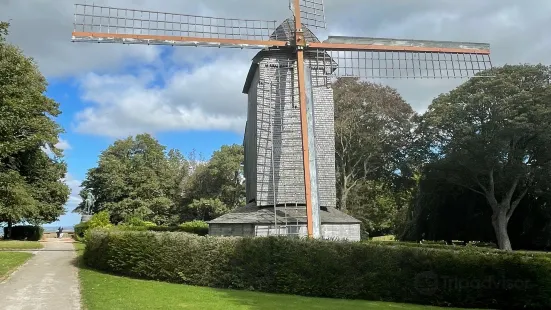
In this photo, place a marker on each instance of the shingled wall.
(274, 109)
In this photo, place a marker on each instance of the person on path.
(60, 232)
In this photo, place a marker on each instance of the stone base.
(85, 218)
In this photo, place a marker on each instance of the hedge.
(194, 227)
(200, 228)
(493, 279)
(25, 232)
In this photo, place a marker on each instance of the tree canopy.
(372, 133)
(492, 136)
(137, 178)
(31, 181)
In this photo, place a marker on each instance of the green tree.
(219, 178)
(492, 136)
(206, 209)
(30, 180)
(135, 177)
(372, 134)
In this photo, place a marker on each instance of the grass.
(104, 291)
(19, 245)
(9, 261)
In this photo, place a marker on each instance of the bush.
(25, 232)
(200, 228)
(137, 222)
(194, 227)
(98, 220)
(461, 278)
(80, 229)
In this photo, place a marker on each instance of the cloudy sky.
(190, 98)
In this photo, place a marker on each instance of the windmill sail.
(398, 58)
(102, 24)
(312, 13)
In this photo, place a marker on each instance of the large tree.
(372, 134)
(219, 181)
(31, 182)
(493, 136)
(136, 178)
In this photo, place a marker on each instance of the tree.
(30, 180)
(493, 136)
(135, 177)
(372, 132)
(219, 178)
(207, 209)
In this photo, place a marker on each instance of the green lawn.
(103, 291)
(11, 260)
(19, 245)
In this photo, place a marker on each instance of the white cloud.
(209, 96)
(199, 99)
(74, 186)
(63, 145)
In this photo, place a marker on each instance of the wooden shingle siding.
(274, 119)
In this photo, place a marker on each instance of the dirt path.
(47, 281)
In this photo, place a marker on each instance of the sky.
(190, 98)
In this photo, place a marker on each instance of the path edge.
(12, 271)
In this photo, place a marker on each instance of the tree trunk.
(499, 222)
(8, 231)
(344, 198)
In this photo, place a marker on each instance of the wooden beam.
(395, 45)
(173, 40)
(299, 41)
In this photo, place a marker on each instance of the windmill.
(301, 65)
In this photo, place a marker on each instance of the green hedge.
(328, 269)
(200, 228)
(194, 227)
(25, 232)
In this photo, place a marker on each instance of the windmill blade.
(312, 12)
(395, 58)
(102, 24)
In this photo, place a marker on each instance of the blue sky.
(190, 98)
(83, 148)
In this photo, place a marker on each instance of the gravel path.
(48, 281)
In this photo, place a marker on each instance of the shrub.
(137, 222)
(200, 228)
(464, 277)
(80, 229)
(25, 232)
(194, 227)
(98, 220)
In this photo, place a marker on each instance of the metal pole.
(299, 38)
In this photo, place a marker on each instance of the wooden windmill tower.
(293, 87)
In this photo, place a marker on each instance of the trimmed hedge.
(25, 232)
(493, 279)
(194, 227)
(200, 228)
